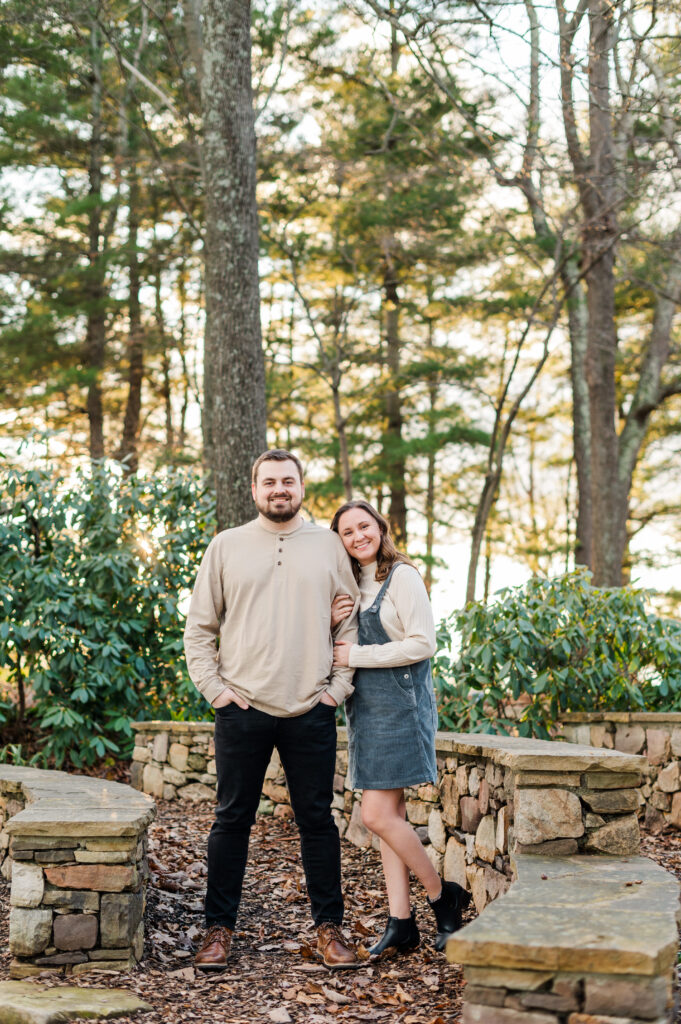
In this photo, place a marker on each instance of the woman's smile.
(361, 535)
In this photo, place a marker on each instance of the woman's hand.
(326, 698)
(341, 607)
(228, 696)
(341, 654)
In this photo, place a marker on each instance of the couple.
(271, 592)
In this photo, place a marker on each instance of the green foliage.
(12, 753)
(93, 570)
(553, 646)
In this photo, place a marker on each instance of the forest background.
(458, 297)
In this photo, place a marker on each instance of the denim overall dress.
(392, 716)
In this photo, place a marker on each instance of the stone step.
(601, 915)
(23, 1002)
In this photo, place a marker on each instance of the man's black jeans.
(244, 741)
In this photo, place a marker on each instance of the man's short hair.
(276, 455)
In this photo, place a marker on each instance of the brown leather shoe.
(333, 949)
(215, 950)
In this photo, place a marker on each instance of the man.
(265, 590)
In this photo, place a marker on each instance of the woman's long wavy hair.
(387, 554)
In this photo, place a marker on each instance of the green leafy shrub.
(92, 572)
(553, 646)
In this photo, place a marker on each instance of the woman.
(392, 717)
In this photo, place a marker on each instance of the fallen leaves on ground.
(274, 975)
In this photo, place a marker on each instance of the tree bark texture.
(164, 340)
(234, 414)
(578, 324)
(394, 461)
(599, 203)
(594, 171)
(430, 483)
(133, 407)
(95, 337)
(490, 490)
(344, 454)
(599, 174)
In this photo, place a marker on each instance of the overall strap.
(379, 596)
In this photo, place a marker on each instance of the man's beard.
(284, 516)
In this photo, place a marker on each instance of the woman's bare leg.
(396, 874)
(384, 812)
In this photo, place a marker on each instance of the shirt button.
(280, 550)
(278, 563)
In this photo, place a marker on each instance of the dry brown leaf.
(336, 997)
(314, 988)
(309, 1000)
(185, 974)
(362, 929)
(403, 996)
(279, 1015)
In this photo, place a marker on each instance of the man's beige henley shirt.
(268, 596)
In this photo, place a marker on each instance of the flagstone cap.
(648, 717)
(161, 726)
(607, 915)
(23, 1002)
(514, 752)
(522, 754)
(75, 805)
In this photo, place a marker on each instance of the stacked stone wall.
(654, 735)
(174, 760)
(495, 796)
(75, 850)
(576, 941)
(511, 996)
(586, 932)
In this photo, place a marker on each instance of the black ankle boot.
(400, 936)
(448, 908)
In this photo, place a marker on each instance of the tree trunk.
(95, 337)
(344, 455)
(570, 277)
(234, 415)
(488, 496)
(394, 461)
(133, 407)
(192, 26)
(488, 567)
(595, 176)
(182, 350)
(498, 442)
(166, 388)
(608, 499)
(578, 323)
(433, 390)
